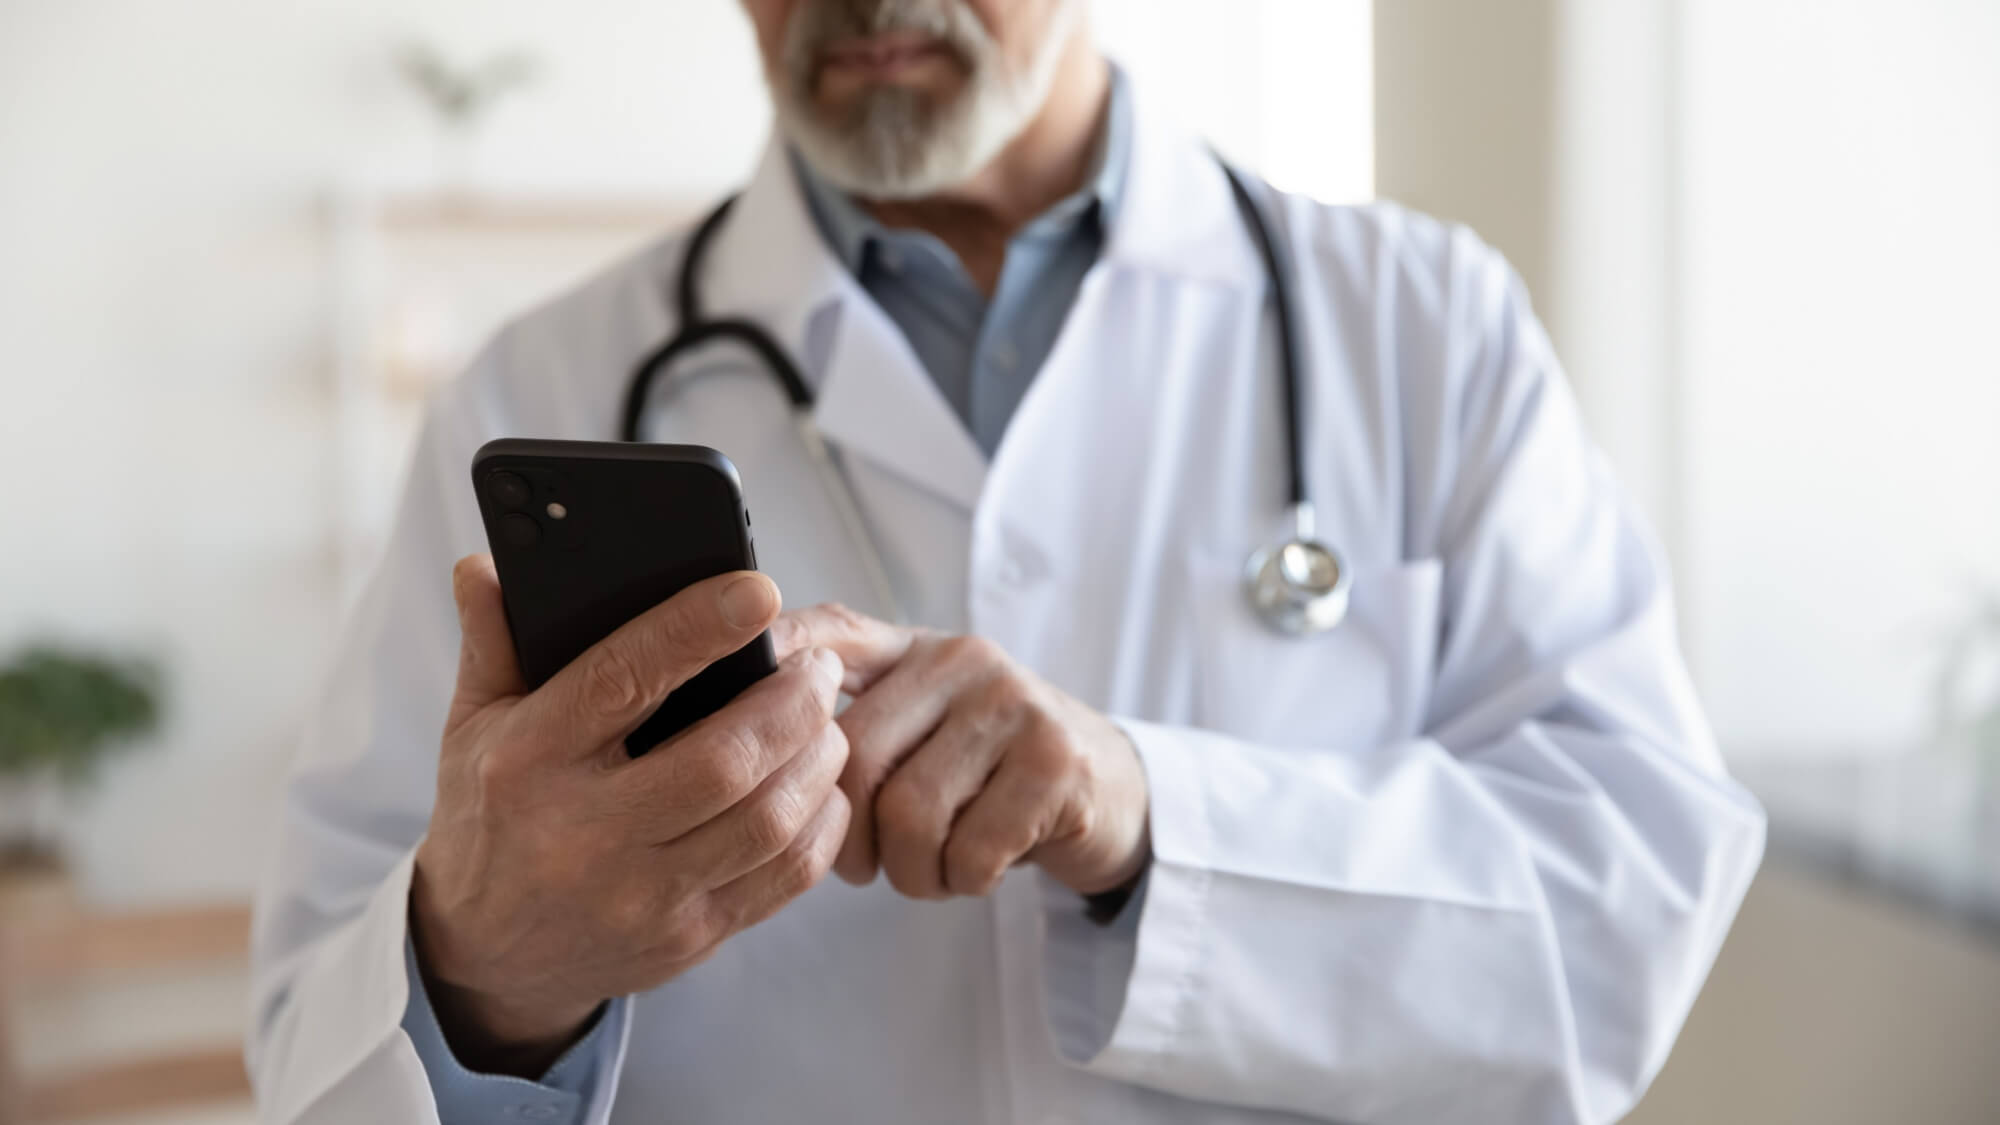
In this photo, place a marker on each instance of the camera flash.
(557, 511)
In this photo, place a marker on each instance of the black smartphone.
(587, 535)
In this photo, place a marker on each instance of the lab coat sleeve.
(1506, 916)
(329, 985)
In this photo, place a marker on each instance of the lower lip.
(884, 63)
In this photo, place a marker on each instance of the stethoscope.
(1298, 585)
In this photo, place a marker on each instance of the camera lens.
(517, 530)
(509, 490)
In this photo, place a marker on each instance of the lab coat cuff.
(1117, 996)
(355, 989)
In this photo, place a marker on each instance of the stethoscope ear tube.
(694, 331)
(1289, 360)
(1299, 586)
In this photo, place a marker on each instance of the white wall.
(1761, 233)
(1543, 125)
(166, 441)
(1610, 297)
(1464, 120)
(1842, 436)
(1282, 86)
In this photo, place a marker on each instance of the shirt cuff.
(465, 1097)
(1087, 963)
(1116, 994)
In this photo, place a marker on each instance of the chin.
(848, 109)
(910, 136)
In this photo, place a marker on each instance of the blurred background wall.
(237, 248)
(165, 172)
(1760, 232)
(172, 184)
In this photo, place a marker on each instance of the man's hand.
(558, 872)
(962, 764)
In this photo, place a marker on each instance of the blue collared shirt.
(468, 1097)
(983, 354)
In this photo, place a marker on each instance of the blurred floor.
(1834, 1005)
(232, 1113)
(126, 1014)
(1828, 1005)
(119, 1038)
(131, 1016)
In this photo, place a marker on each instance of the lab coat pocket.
(1363, 683)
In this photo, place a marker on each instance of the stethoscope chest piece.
(1299, 586)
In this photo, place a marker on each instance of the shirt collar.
(849, 230)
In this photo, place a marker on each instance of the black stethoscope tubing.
(1298, 585)
(694, 330)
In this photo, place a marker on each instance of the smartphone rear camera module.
(517, 530)
(509, 490)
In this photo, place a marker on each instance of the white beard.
(897, 143)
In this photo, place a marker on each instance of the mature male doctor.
(1112, 848)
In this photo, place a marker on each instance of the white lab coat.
(1466, 858)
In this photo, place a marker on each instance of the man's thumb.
(487, 666)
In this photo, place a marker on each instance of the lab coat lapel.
(879, 402)
(874, 399)
(769, 264)
(1177, 239)
(1177, 222)
(1178, 219)
(1157, 317)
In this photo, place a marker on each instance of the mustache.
(835, 19)
(818, 24)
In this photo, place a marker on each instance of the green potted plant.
(461, 96)
(62, 713)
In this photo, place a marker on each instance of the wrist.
(1104, 907)
(1127, 874)
(490, 1032)
(1128, 825)
(494, 1035)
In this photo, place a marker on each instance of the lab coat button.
(1019, 562)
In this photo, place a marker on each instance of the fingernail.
(782, 633)
(827, 666)
(747, 602)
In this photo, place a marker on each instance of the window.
(1841, 433)
(1284, 86)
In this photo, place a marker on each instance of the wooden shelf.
(187, 1077)
(477, 214)
(68, 944)
(51, 941)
